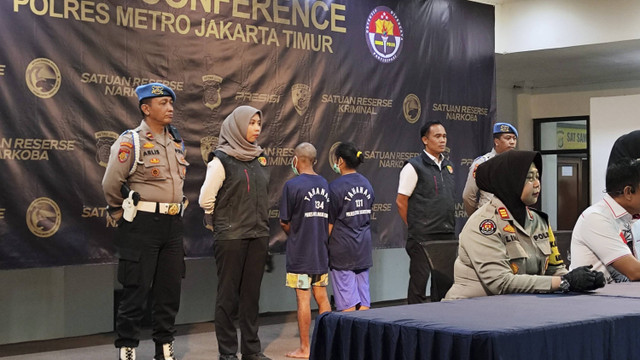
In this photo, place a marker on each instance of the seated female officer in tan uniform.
(507, 247)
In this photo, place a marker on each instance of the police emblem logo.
(514, 267)
(155, 172)
(173, 209)
(123, 155)
(43, 217)
(503, 213)
(211, 85)
(487, 227)
(104, 140)
(148, 145)
(450, 168)
(509, 229)
(157, 90)
(384, 34)
(411, 108)
(207, 145)
(300, 95)
(43, 78)
(262, 160)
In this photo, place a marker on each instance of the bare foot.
(298, 354)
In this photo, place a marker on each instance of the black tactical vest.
(432, 203)
(242, 204)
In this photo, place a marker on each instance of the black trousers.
(151, 263)
(419, 269)
(240, 264)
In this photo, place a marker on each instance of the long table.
(601, 325)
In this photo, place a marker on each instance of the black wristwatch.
(564, 285)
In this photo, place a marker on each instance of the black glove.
(583, 279)
(600, 281)
(207, 221)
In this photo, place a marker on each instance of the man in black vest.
(426, 204)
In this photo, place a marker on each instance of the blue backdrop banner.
(370, 72)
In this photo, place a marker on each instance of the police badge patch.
(104, 140)
(211, 85)
(487, 227)
(262, 160)
(207, 145)
(300, 94)
(123, 154)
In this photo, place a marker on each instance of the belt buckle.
(173, 209)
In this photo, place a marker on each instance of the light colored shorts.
(350, 288)
(305, 281)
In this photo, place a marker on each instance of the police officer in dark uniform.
(143, 188)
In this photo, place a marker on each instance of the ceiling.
(571, 66)
(578, 65)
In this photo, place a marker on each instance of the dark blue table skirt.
(601, 325)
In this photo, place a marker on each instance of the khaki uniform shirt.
(160, 176)
(498, 256)
(472, 197)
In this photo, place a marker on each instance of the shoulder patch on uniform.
(148, 145)
(123, 154)
(262, 160)
(450, 168)
(504, 214)
(514, 267)
(487, 227)
(126, 144)
(509, 229)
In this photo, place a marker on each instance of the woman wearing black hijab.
(507, 247)
(626, 146)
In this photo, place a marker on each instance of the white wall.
(610, 118)
(548, 24)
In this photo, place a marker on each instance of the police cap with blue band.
(501, 128)
(152, 90)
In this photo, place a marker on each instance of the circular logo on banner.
(332, 154)
(43, 78)
(384, 34)
(43, 217)
(411, 108)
